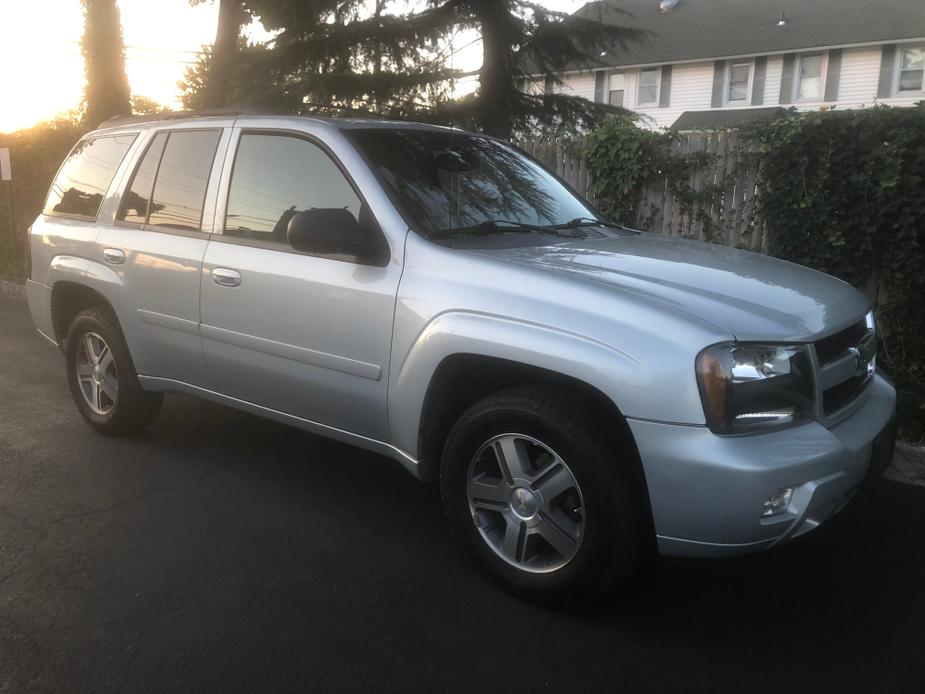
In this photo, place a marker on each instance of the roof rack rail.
(175, 115)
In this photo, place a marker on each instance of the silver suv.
(584, 392)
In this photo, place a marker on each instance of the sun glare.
(42, 70)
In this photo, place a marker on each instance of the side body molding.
(464, 332)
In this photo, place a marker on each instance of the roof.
(709, 29)
(719, 119)
(180, 118)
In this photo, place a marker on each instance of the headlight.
(752, 387)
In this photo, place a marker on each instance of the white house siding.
(578, 84)
(857, 82)
(691, 90)
(692, 87)
(860, 73)
(772, 78)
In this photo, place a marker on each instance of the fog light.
(777, 502)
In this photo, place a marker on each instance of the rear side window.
(134, 207)
(86, 174)
(274, 177)
(182, 177)
(168, 188)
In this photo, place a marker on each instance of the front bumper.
(707, 491)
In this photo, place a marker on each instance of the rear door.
(302, 334)
(156, 245)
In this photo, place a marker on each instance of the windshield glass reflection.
(445, 180)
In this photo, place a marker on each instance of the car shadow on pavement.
(222, 551)
(839, 605)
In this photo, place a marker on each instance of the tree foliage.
(378, 56)
(103, 47)
(214, 85)
(36, 154)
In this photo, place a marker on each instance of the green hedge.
(36, 154)
(844, 192)
(840, 191)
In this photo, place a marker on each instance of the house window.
(617, 87)
(739, 81)
(648, 87)
(911, 70)
(810, 84)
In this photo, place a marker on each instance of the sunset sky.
(41, 68)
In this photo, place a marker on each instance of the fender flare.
(600, 366)
(106, 282)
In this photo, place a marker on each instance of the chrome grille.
(846, 365)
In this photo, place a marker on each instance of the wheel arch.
(76, 287)
(463, 379)
(67, 300)
(460, 337)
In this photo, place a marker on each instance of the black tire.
(134, 408)
(616, 534)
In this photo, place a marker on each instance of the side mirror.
(326, 230)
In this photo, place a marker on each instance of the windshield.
(456, 181)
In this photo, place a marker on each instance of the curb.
(15, 290)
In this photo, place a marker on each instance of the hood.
(752, 296)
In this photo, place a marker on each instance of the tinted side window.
(86, 174)
(276, 176)
(134, 206)
(180, 187)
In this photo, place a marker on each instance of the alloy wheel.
(526, 503)
(97, 374)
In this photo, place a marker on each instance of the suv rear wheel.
(102, 377)
(543, 496)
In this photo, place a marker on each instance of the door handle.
(225, 277)
(114, 256)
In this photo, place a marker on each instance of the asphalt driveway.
(222, 552)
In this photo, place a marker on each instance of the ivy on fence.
(844, 192)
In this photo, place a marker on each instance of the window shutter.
(600, 78)
(761, 70)
(786, 79)
(549, 85)
(719, 80)
(887, 61)
(832, 75)
(664, 94)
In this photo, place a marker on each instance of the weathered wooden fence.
(716, 203)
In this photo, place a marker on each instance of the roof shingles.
(709, 29)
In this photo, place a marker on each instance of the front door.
(301, 334)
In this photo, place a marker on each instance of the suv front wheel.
(102, 377)
(543, 496)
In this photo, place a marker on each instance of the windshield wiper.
(496, 226)
(592, 222)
